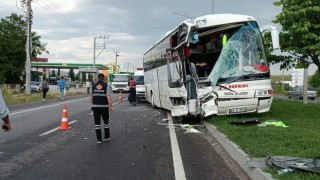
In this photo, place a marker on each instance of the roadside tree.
(53, 73)
(12, 48)
(71, 74)
(300, 36)
(315, 80)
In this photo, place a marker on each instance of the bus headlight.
(264, 93)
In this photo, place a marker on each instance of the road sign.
(297, 77)
(88, 69)
(110, 68)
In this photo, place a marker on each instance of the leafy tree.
(71, 74)
(12, 48)
(315, 80)
(58, 73)
(78, 76)
(53, 74)
(300, 36)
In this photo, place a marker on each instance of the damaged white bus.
(210, 65)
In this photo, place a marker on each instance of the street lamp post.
(117, 69)
(212, 6)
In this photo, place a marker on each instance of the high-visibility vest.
(99, 93)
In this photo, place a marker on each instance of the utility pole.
(98, 46)
(212, 6)
(128, 66)
(27, 3)
(282, 79)
(305, 86)
(117, 55)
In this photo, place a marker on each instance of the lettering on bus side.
(234, 86)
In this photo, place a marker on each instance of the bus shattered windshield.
(242, 57)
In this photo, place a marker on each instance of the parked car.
(297, 92)
(35, 87)
(72, 84)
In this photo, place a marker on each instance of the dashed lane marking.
(58, 104)
(55, 129)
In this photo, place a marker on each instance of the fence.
(15, 88)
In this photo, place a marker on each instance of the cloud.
(69, 26)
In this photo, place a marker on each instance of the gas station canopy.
(83, 67)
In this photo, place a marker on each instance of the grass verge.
(301, 139)
(12, 99)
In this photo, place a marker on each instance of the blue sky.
(69, 26)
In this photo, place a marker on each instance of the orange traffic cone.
(64, 121)
(120, 97)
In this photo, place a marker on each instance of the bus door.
(155, 88)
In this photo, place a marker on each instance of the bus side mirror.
(275, 39)
(274, 35)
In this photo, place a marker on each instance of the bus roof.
(210, 20)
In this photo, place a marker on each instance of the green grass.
(277, 89)
(278, 78)
(301, 139)
(12, 99)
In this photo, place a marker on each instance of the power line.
(71, 19)
(62, 17)
(7, 6)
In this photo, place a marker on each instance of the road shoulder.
(236, 153)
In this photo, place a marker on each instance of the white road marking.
(177, 160)
(65, 102)
(55, 129)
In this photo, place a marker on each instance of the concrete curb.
(237, 154)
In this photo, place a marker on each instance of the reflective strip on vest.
(104, 95)
(95, 105)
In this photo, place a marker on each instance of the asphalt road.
(140, 148)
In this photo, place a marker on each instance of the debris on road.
(246, 122)
(187, 127)
(275, 123)
(259, 123)
(286, 164)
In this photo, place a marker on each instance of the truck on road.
(120, 83)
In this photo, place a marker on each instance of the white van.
(140, 87)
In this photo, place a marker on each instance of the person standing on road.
(88, 85)
(45, 88)
(62, 85)
(4, 114)
(101, 103)
(132, 85)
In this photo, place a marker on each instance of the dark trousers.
(103, 112)
(44, 93)
(132, 95)
(88, 90)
